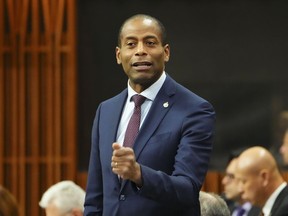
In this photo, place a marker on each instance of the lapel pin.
(166, 104)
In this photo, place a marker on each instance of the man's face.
(52, 210)
(250, 184)
(230, 183)
(284, 149)
(141, 52)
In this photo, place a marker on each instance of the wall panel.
(37, 97)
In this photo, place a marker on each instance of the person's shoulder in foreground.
(213, 205)
(162, 171)
(65, 198)
(8, 203)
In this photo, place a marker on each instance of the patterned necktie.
(241, 211)
(134, 122)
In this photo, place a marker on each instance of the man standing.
(151, 143)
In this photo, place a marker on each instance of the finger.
(123, 151)
(118, 158)
(114, 164)
(116, 146)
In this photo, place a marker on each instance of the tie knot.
(138, 100)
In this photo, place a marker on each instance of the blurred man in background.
(284, 148)
(8, 203)
(261, 181)
(63, 199)
(237, 206)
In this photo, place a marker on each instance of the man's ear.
(265, 175)
(117, 53)
(167, 52)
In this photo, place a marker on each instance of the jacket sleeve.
(93, 205)
(191, 161)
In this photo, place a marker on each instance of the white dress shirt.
(150, 94)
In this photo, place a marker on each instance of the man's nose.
(140, 49)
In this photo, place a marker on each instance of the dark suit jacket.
(280, 207)
(254, 211)
(173, 148)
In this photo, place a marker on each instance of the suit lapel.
(114, 115)
(161, 105)
(279, 199)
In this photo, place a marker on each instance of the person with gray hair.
(212, 204)
(62, 199)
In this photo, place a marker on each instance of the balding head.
(257, 158)
(258, 173)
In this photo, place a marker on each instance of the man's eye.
(130, 44)
(150, 43)
(230, 175)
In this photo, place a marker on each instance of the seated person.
(284, 148)
(212, 204)
(261, 181)
(63, 199)
(8, 203)
(236, 204)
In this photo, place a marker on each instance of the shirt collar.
(151, 92)
(270, 202)
(247, 206)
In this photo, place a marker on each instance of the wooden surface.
(37, 97)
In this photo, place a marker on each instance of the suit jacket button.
(122, 197)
